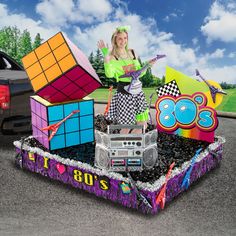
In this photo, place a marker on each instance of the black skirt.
(124, 107)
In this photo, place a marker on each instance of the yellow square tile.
(56, 41)
(29, 59)
(61, 51)
(34, 70)
(41, 100)
(42, 50)
(47, 61)
(38, 82)
(67, 63)
(52, 72)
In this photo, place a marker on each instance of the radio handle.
(113, 127)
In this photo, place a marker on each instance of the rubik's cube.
(59, 71)
(75, 130)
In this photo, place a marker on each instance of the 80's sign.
(185, 112)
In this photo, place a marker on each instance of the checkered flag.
(170, 88)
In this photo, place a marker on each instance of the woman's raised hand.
(104, 48)
(101, 44)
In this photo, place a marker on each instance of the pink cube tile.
(61, 82)
(70, 89)
(58, 97)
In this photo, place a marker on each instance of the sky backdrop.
(192, 33)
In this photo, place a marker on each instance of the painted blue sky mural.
(193, 34)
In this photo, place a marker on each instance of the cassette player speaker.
(150, 156)
(101, 138)
(150, 138)
(102, 159)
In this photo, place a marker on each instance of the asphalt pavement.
(31, 204)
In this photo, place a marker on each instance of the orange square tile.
(67, 63)
(34, 70)
(53, 72)
(42, 50)
(61, 51)
(38, 82)
(56, 41)
(29, 59)
(47, 61)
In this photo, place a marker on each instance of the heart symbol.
(61, 168)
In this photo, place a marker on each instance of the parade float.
(73, 145)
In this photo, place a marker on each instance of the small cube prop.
(59, 71)
(77, 129)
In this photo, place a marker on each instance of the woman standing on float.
(125, 108)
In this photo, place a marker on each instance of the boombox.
(125, 152)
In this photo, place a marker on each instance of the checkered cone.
(170, 88)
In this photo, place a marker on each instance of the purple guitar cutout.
(212, 88)
(135, 85)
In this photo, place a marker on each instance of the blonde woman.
(125, 108)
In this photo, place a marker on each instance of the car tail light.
(4, 97)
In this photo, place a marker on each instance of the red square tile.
(61, 82)
(70, 89)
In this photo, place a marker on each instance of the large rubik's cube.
(77, 129)
(59, 71)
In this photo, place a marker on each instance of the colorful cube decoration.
(59, 71)
(77, 129)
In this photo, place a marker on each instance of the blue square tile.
(86, 122)
(58, 141)
(61, 129)
(72, 125)
(86, 108)
(72, 139)
(87, 136)
(68, 108)
(55, 113)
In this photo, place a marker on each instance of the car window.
(8, 65)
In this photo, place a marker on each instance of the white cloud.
(231, 5)
(166, 19)
(62, 13)
(98, 9)
(22, 22)
(232, 55)
(222, 74)
(218, 53)
(170, 17)
(195, 41)
(220, 24)
(55, 12)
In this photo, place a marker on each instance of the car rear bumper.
(16, 124)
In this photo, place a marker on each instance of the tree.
(91, 58)
(24, 45)
(98, 65)
(147, 79)
(225, 85)
(17, 44)
(37, 41)
(157, 82)
(9, 39)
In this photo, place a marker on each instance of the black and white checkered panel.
(170, 88)
(125, 107)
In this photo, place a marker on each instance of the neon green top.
(116, 68)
